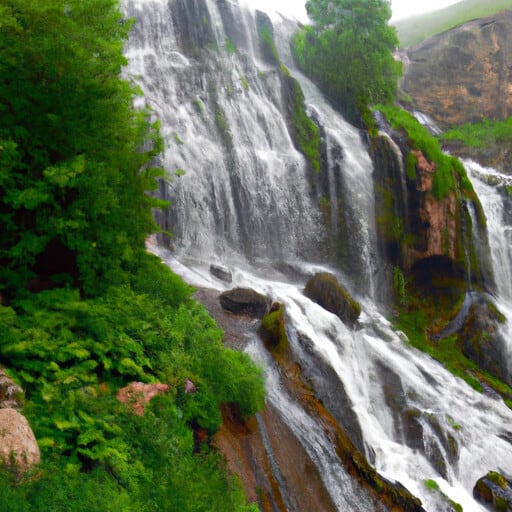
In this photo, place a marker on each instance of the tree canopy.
(73, 150)
(348, 52)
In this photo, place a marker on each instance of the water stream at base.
(247, 204)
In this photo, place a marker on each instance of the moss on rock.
(324, 289)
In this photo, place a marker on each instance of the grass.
(416, 29)
(427, 315)
(481, 135)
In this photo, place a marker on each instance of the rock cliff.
(464, 75)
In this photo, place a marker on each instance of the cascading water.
(245, 201)
(493, 188)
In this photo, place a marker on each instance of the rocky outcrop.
(272, 330)
(436, 233)
(10, 392)
(494, 491)
(434, 221)
(18, 445)
(137, 395)
(274, 468)
(324, 289)
(481, 341)
(393, 495)
(419, 232)
(463, 75)
(244, 301)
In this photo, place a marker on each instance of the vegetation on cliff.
(75, 165)
(481, 135)
(415, 29)
(353, 36)
(449, 172)
(305, 131)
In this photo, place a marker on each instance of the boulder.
(221, 273)
(272, 329)
(324, 289)
(18, 445)
(138, 394)
(9, 392)
(494, 492)
(244, 301)
(482, 342)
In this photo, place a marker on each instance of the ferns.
(72, 355)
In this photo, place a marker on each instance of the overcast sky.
(401, 8)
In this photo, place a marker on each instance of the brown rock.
(464, 75)
(18, 444)
(138, 394)
(424, 171)
(436, 229)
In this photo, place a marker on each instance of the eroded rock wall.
(462, 76)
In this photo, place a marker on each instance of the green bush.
(72, 355)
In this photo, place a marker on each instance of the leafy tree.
(73, 151)
(348, 52)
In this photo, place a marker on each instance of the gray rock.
(245, 301)
(18, 445)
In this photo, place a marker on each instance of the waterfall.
(492, 189)
(243, 190)
(244, 197)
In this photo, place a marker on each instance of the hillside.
(463, 76)
(415, 29)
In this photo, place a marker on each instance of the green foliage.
(307, 132)
(74, 168)
(269, 46)
(418, 318)
(449, 173)
(160, 474)
(245, 83)
(73, 154)
(72, 355)
(431, 484)
(230, 46)
(348, 52)
(415, 29)
(481, 135)
(222, 125)
(399, 287)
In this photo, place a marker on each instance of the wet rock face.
(324, 289)
(433, 220)
(18, 445)
(481, 341)
(494, 492)
(244, 301)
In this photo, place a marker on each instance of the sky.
(401, 8)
